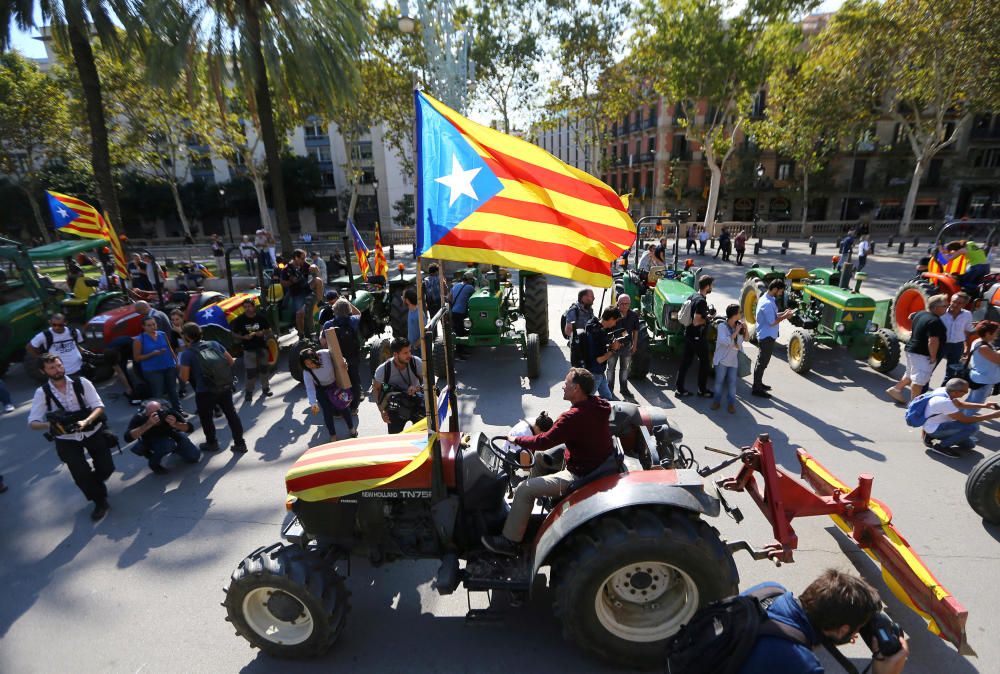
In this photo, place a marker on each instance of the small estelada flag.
(381, 265)
(360, 249)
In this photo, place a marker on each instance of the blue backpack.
(916, 411)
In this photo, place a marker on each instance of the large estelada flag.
(360, 249)
(73, 216)
(484, 196)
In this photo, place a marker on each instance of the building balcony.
(647, 157)
(977, 173)
(315, 141)
(634, 126)
(683, 155)
(650, 123)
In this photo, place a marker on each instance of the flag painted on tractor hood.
(484, 196)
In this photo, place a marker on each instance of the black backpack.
(579, 344)
(347, 337)
(720, 636)
(215, 369)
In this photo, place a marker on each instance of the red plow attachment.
(868, 521)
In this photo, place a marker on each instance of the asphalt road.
(141, 590)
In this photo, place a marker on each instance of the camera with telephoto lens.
(62, 422)
(404, 407)
(885, 632)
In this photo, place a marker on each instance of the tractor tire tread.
(982, 489)
(535, 307)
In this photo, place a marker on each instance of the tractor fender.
(683, 489)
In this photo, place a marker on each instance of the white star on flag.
(63, 213)
(459, 182)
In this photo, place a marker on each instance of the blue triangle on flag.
(62, 214)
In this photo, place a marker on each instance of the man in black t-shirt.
(925, 347)
(295, 281)
(159, 431)
(253, 330)
(695, 343)
(660, 252)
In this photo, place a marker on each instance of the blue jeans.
(601, 387)
(952, 353)
(179, 444)
(725, 379)
(951, 433)
(329, 412)
(977, 395)
(163, 383)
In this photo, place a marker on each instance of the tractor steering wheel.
(503, 455)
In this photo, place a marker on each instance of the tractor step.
(487, 572)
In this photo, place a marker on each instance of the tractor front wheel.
(287, 602)
(630, 579)
(749, 296)
(533, 354)
(800, 351)
(439, 359)
(535, 306)
(885, 352)
(982, 489)
(294, 364)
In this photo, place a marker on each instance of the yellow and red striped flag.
(381, 265)
(484, 196)
(73, 216)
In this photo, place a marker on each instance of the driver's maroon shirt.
(585, 428)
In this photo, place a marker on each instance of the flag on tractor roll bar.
(484, 196)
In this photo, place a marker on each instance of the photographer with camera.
(397, 387)
(71, 413)
(158, 432)
(831, 612)
(602, 343)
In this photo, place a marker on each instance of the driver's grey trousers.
(539, 484)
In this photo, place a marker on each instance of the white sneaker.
(8, 408)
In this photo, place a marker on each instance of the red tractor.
(630, 556)
(943, 276)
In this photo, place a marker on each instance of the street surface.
(140, 591)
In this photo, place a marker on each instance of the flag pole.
(426, 349)
(446, 344)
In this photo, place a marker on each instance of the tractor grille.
(671, 324)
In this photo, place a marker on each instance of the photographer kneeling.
(160, 431)
(71, 413)
(397, 386)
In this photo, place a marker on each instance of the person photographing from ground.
(585, 430)
(601, 346)
(159, 431)
(397, 386)
(950, 425)
(71, 413)
(209, 366)
(320, 379)
(253, 330)
(580, 313)
(831, 610)
(695, 344)
(927, 338)
(768, 317)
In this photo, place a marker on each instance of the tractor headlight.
(839, 327)
(467, 323)
(498, 322)
(673, 315)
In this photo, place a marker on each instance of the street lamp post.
(759, 172)
(225, 215)
(378, 215)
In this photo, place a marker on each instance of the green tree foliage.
(589, 87)
(34, 123)
(73, 23)
(505, 49)
(712, 62)
(302, 50)
(928, 65)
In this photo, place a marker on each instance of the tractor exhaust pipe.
(858, 280)
(846, 271)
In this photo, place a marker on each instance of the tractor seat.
(655, 274)
(798, 277)
(615, 463)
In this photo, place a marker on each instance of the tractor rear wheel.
(911, 297)
(533, 354)
(535, 306)
(800, 351)
(749, 296)
(639, 366)
(294, 364)
(885, 352)
(982, 489)
(398, 312)
(440, 362)
(630, 579)
(287, 601)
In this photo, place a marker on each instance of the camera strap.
(841, 658)
(51, 399)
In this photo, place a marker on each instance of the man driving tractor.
(585, 430)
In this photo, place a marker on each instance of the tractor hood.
(363, 300)
(17, 309)
(671, 291)
(840, 298)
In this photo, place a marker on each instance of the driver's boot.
(501, 545)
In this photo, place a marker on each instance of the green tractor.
(493, 311)
(85, 301)
(826, 313)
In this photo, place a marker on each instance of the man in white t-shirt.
(946, 430)
(59, 340)
(958, 323)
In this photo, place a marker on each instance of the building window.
(934, 173)
(759, 104)
(326, 178)
(648, 189)
(858, 174)
(651, 144)
(314, 130)
(320, 153)
(636, 181)
(786, 169)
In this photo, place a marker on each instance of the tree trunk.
(100, 157)
(713, 196)
(805, 197)
(272, 149)
(185, 225)
(911, 196)
(36, 210)
(258, 188)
